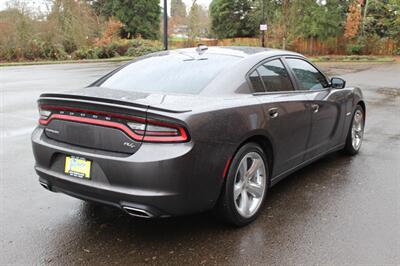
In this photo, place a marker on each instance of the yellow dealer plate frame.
(77, 167)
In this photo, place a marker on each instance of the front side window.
(308, 76)
(274, 76)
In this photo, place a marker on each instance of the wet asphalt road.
(338, 210)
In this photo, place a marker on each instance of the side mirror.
(338, 83)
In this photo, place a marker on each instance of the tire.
(356, 132)
(245, 188)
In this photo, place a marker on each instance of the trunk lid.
(91, 122)
(117, 121)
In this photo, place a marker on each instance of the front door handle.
(273, 112)
(315, 108)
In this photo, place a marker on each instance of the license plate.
(77, 166)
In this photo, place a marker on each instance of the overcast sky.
(39, 4)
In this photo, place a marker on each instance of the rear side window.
(274, 76)
(308, 76)
(256, 82)
(185, 73)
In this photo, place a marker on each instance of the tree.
(353, 21)
(178, 15)
(233, 18)
(383, 18)
(111, 32)
(178, 8)
(16, 27)
(72, 24)
(319, 21)
(273, 13)
(140, 17)
(102, 7)
(197, 21)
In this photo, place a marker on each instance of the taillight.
(156, 131)
(138, 128)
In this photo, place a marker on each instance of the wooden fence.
(333, 46)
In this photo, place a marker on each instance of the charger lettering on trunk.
(52, 131)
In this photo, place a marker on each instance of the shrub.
(36, 49)
(84, 53)
(8, 54)
(141, 47)
(136, 42)
(107, 51)
(32, 50)
(355, 49)
(52, 51)
(139, 51)
(120, 47)
(69, 46)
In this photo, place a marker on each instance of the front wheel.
(245, 187)
(356, 132)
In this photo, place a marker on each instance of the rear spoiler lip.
(105, 101)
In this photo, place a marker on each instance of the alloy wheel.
(357, 130)
(250, 184)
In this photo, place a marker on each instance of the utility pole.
(263, 22)
(165, 25)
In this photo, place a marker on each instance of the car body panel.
(327, 122)
(289, 131)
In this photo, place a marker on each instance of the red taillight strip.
(92, 121)
(180, 138)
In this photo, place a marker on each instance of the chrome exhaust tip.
(137, 212)
(45, 185)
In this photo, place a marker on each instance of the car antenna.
(201, 48)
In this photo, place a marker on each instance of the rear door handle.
(273, 112)
(315, 108)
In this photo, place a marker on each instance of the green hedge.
(34, 50)
(132, 48)
(38, 50)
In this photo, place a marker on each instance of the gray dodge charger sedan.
(190, 130)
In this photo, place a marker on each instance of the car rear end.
(126, 140)
(115, 153)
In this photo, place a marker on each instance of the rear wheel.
(356, 132)
(245, 187)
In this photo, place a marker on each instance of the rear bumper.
(161, 179)
(109, 195)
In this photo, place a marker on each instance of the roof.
(240, 51)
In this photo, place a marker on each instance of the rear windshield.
(185, 73)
